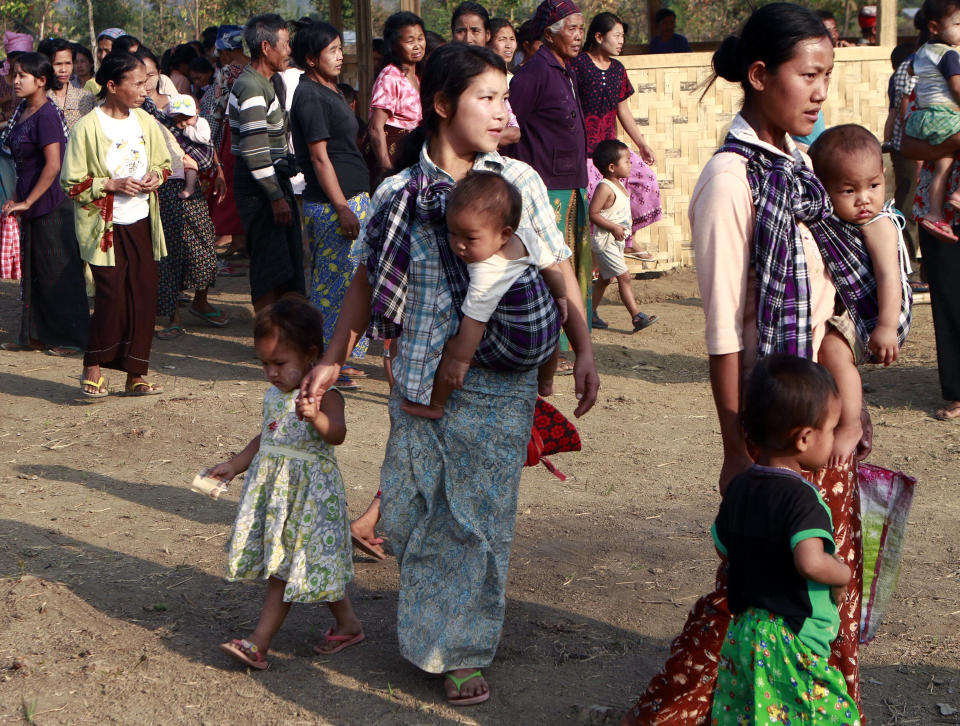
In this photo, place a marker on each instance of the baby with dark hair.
(506, 306)
(848, 161)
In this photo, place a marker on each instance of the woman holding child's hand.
(453, 567)
(758, 301)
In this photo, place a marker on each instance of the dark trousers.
(125, 305)
(905, 189)
(54, 310)
(276, 253)
(941, 263)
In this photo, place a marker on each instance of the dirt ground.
(113, 601)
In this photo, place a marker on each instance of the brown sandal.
(948, 412)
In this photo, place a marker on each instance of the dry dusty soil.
(113, 601)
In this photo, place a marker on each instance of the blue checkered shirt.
(429, 317)
(901, 84)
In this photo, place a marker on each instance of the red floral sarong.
(681, 694)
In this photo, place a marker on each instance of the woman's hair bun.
(920, 20)
(727, 61)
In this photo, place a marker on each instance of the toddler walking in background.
(504, 264)
(292, 528)
(848, 160)
(612, 222)
(784, 579)
(937, 68)
(183, 111)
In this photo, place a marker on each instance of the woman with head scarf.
(553, 135)
(13, 45)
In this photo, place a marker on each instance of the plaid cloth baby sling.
(785, 193)
(523, 331)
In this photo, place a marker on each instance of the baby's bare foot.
(845, 440)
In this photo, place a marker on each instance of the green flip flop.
(466, 700)
(210, 318)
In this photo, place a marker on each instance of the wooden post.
(336, 14)
(364, 19)
(410, 6)
(652, 7)
(887, 32)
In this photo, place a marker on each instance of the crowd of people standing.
(126, 178)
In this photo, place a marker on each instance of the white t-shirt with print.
(126, 156)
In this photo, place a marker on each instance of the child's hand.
(307, 409)
(884, 344)
(452, 371)
(562, 308)
(620, 234)
(839, 592)
(224, 471)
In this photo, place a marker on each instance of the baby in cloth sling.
(510, 321)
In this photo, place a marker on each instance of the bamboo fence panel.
(685, 130)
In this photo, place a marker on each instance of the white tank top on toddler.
(618, 213)
(126, 156)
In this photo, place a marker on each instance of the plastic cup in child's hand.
(209, 486)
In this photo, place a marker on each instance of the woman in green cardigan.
(116, 159)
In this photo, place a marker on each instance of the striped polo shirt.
(258, 128)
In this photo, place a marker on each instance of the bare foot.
(364, 534)
(474, 688)
(845, 440)
(418, 409)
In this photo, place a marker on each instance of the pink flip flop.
(939, 229)
(245, 652)
(345, 641)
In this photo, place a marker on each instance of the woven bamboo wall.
(684, 130)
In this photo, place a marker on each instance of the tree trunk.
(93, 33)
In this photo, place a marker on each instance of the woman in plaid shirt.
(449, 486)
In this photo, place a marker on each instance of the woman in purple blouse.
(54, 309)
(553, 137)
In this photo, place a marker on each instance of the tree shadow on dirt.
(903, 386)
(596, 663)
(14, 384)
(619, 360)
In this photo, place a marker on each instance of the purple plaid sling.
(785, 193)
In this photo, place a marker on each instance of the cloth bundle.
(9, 248)
(552, 434)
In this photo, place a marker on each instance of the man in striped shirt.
(258, 128)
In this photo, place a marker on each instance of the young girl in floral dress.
(292, 527)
